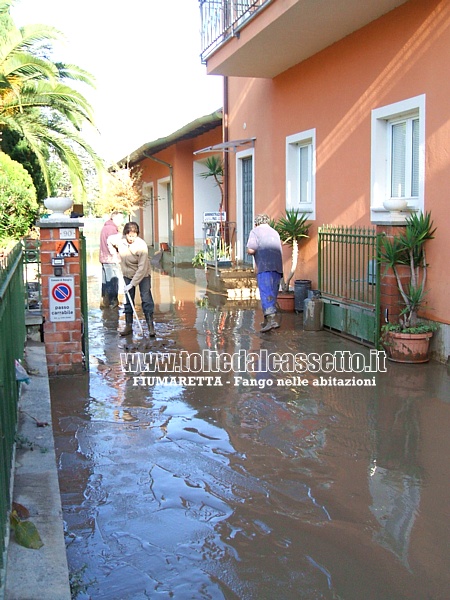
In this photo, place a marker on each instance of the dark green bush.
(18, 203)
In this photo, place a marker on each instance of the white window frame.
(381, 148)
(293, 144)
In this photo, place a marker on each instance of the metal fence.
(350, 281)
(12, 343)
(220, 19)
(32, 276)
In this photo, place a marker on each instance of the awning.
(227, 146)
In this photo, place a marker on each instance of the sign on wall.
(62, 298)
(67, 234)
(66, 249)
(214, 217)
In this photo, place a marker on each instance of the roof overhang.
(189, 131)
(228, 146)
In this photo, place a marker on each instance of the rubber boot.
(128, 326)
(271, 323)
(104, 302)
(151, 327)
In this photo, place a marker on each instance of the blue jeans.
(268, 284)
(148, 305)
(110, 281)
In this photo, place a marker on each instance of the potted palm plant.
(214, 170)
(292, 228)
(218, 254)
(408, 339)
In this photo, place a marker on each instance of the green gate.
(350, 281)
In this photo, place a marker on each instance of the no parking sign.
(62, 298)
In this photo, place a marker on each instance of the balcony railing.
(221, 19)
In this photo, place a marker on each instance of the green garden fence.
(12, 344)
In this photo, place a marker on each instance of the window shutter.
(415, 159)
(398, 155)
(305, 172)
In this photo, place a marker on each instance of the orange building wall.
(403, 54)
(183, 194)
(180, 156)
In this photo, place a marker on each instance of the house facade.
(346, 104)
(176, 194)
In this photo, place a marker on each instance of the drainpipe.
(226, 162)
(171, 226)
(225, 139)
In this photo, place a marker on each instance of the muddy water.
(249, 491)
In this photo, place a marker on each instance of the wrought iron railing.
(349, 279)
(221, 19)
(32, 275)
(348, 263)
(12, 342)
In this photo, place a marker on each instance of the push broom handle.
(134, 311)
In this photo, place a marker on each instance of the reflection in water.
(280, 491)
(395, 478)
(396, 500)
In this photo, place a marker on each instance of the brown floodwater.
(250, 489)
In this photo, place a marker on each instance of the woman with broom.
(135, 265)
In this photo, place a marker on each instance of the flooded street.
(250, 489)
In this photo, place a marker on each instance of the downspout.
(171, 221)
(225, 140)
(226, 162)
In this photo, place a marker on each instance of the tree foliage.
(18, 203)
(122, 191)
(15, 146)
(38, 101)
(214, 165)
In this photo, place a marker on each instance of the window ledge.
(381, 216)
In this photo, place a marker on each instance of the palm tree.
(214, 164)
(37, 101)
(292, 228)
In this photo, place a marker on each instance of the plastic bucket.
(301, 289)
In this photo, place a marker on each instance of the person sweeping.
(135, 265)
(264, 245)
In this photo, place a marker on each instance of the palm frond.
(75, 73)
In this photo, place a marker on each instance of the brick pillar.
(62, 318)
(390, 298)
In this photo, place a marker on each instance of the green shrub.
(18, 203)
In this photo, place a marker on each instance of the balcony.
(263, 38)
(222, 19)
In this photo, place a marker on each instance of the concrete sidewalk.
(43, 573)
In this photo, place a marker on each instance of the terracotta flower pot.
(286, 301)
(408, 347)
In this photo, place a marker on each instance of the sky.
(145, 57)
